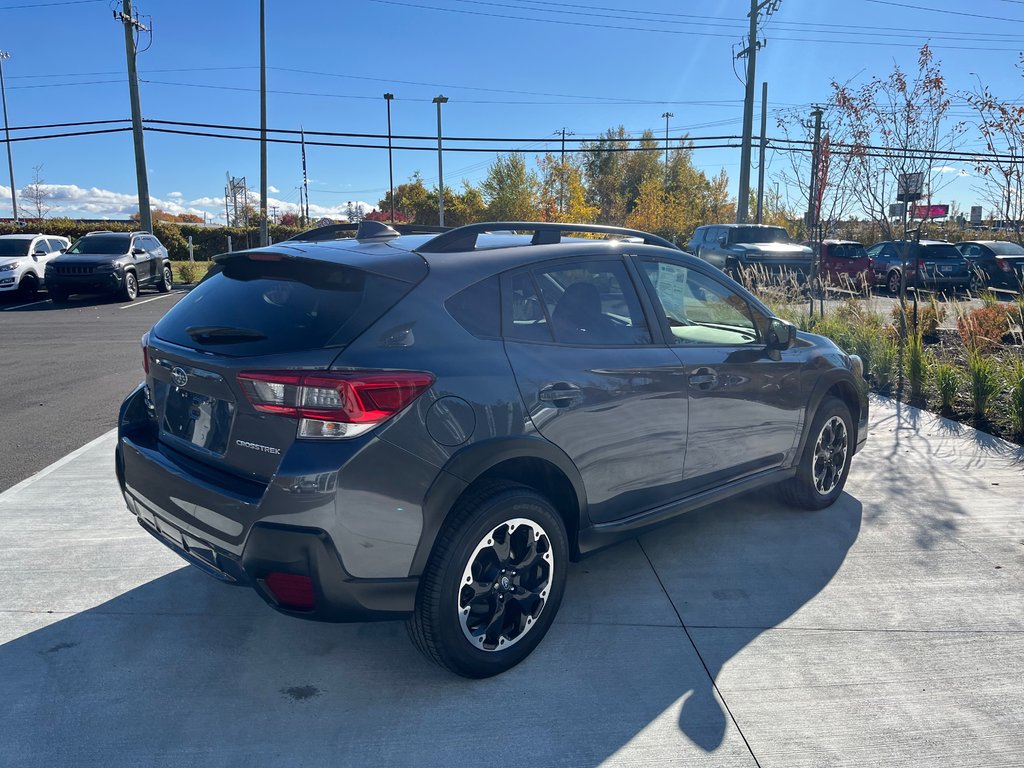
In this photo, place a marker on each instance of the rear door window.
(265, 307)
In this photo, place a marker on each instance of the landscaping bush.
(982, 380)
(982, 329)
(883, 362)
(947, 383)
(929, 318)
(1014, 375)
(915, 365)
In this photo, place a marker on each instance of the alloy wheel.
(505, 584)
(830, 452)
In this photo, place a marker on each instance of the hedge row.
(207, 242)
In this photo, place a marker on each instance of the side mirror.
(40, 251)
(780, 334)
(138, 251)
(723, 240)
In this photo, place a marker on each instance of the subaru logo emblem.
(179, 377)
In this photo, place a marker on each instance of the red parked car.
(844, 264)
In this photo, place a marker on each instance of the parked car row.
(766, 252)
(119, 263)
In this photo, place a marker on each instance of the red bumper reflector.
(291, 591)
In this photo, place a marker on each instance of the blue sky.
(587, 67)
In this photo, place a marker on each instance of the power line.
(932, 9)
(46, 5)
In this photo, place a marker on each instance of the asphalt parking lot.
(64, 370)
(884, 631)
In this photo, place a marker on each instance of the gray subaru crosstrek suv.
(432, 427)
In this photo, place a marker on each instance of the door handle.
(704, 378)
(560, 395)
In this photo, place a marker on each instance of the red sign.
(930, 211)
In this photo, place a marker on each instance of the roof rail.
(335, 231)
(546, 233)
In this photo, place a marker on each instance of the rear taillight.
(334, 404)
(1004, 265)
(291, 590)
(144, 341)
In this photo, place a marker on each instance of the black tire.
(28, 287)
(166, 280)
(57, 295)
(130, 287)
(822, 472)
(450, 610)
(892, 282)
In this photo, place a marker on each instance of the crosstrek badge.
(257, 447)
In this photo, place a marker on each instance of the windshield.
(1007, 249)
(14, 247)
(759, 235)
(101, 244)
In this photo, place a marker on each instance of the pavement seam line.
(31, 479)
(714, 683)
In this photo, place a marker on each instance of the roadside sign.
(896, 210)
(911, 186)
(975, 214)
(324, 222)
(930, 211)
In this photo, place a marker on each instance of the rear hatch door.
(256, 313)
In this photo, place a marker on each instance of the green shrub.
(916, 369)
(883, 362)
(982, 380)
(947, 382)
(929, 318)
(988, 298)
(190, 271)
(1014, 375)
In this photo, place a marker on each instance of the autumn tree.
(895, 125)
(38, 194)
(562, 194)
(510, 190)
(1001, 124)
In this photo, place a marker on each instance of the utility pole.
(131, 25)
(666, 115)
(391, 166)
(812, 206)
(4, 55)
(439, 100)
(750, 53)
(563, 172)
(305, 177)
(264, 232)
(761, 154)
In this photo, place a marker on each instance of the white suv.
(23, 261)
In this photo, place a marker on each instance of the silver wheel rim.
(894, 284)
(130, 280)
(505, 585)
(830, 453)
(167, 277)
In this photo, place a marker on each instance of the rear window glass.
(943, 251)
(1007, 249)
(268, 307)
(115, 244)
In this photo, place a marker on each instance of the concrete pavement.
(886, 631)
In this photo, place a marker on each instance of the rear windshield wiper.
(223, 334)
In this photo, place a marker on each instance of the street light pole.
(391, 166)
(439, 100)
(666, 115)
(4, 55)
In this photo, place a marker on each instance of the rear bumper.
(274, 548)
(223, 530)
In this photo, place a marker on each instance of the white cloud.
(950, 169)
(175, 194)
(273, 190)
